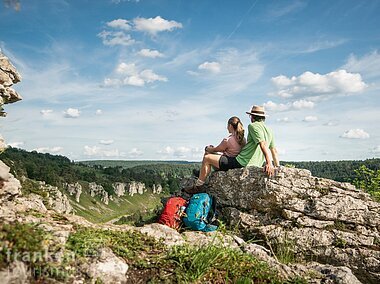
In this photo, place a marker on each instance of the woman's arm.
(220, 148)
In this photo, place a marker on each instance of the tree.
(368, 180)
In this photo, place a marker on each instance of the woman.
(229, 147)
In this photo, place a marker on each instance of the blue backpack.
(200, 212)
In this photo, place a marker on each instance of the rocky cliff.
(314, 218)
(8, 77)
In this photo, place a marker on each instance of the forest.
(55, 170)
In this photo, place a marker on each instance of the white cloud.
(106, 142)
(331, 123)
(355, 134)
(284, 119)
(96, 151)
(53, 150)
(150, 53)
(155, 25)
(181, 152)
(15, 144)
(213, 67)
(111, 82)
(310, 118)
(116, 38)
(149, 76)
(311, 84)
(71, 113)
(98, 112)
(120, 24)
(368, 65)
(297, 105)
(134, 153)
(46, 112)
(376, 150)
(129, 74)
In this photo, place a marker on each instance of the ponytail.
(239, 129)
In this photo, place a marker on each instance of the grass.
(151, 262)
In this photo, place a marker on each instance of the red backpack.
(171, 215)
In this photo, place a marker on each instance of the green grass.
(94, 210)
(151, 262)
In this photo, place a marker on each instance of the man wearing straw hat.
(260, 148)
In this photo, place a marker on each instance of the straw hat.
(257, 110)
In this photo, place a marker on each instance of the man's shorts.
(227, 163)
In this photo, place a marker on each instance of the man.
(260, 148)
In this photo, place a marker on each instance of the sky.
(159, 79)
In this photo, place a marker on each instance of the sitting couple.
(236, 152)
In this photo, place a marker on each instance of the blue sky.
(155, 79)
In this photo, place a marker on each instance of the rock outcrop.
(74, 189)
(157, 189)
(135, 187)
(119, 189)
(317, 219)
(98, 190)
(55, 199)
(8, 77)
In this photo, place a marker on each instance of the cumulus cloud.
(331, 123)
(16, 144)
(71, 113)
(213, 67)
(355, 134)
(310, 118)
(106, 142)
(120, 24)
(296, 105)
(112, 38)
(46, 112)
(98, 112)
(129, 74)
(150, 53)
(134, 153)
(96, 151)
(53, 150)
(314, 84)
(368, 65)
(155, 25)
(181, 152)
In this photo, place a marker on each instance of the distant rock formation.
(119, 189)
(98, 190)
(55, 199)
(74, 189)
(8, 77)
(319, 219)
(157, 189)
(135, 187)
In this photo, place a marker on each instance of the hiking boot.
(193, 189)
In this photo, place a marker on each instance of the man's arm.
(275, 157)
(269, 169)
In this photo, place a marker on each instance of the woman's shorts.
(226, 163)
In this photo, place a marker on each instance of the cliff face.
(8, 77)
(317, 219)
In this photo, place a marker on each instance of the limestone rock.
(107, 267)
(328, 221)
(119, 188)
(10, 187)
(8, 77)
(135, 187)
(74, 189)
(56, 200)
(157, 189)
(16, 273)
(98, 190)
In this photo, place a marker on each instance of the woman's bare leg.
(208, 161)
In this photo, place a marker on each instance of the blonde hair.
(239, 129)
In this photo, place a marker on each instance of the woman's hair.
(239, 130)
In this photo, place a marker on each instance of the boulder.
(317, 219)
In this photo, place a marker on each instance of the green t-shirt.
(251, 154)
